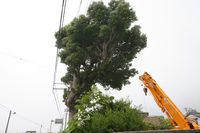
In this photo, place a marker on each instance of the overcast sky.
(27, 55)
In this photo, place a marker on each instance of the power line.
(60, 26)
(79, 8)
(88, 4)
(57, 99)
(57, 102)
(5, 107)
(21, 116)
(22, 59)
(63, 14)
(57, 50)
(64, 2)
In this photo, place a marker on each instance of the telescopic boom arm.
(178, 120)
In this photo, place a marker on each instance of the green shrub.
(98, 113)
(165, 124)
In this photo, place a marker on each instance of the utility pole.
(40, 128)
(50, 126)
(8, 121)
(66, 110)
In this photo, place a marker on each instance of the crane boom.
(178, 120)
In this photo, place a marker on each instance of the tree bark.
(70, 103)
(72, 112)
(72, 97)
(77, 87)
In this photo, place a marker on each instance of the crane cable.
(56, 62)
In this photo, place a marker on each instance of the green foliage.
(98, 47)
(115, 120)
(98, 113)
(165, 124)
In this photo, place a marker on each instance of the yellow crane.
(178, 120)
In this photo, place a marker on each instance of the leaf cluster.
(164, 124)
(98, 113)
(98, 47)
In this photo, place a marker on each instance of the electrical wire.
(21, 116)
(12, 56)
(4, 107)
(53, 90)
(88, 4)
(64, 2)
(79, 8)
(63, 14)
(24, 60)
(57, 50)
(57, 98)
(57, 103)
(31, 121)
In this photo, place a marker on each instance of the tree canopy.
(98, 48)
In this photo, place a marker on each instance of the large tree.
(98, 48)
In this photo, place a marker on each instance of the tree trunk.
(70, 103)
(74, 93)
(72, 112)
(72, 97)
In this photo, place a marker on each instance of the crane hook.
(145, 91)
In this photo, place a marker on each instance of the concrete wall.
(163, 131)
